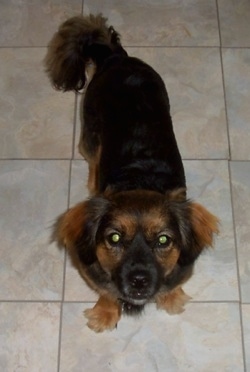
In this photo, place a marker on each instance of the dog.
(136, 238)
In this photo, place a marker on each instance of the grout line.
(82, 159)
(94, 301)
(74, 126)
(64, 277)
(223, 83)
(139, 46)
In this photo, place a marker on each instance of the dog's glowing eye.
(114, 238)
(163, 240)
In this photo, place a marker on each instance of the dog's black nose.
(139, 280)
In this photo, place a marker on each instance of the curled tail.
(79, 40)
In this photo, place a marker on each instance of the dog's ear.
(197, 226)
(76, 229)
(202, 226)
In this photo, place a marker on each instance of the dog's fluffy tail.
(79, 41)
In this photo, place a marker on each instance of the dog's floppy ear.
(76, 229)
(203, 225)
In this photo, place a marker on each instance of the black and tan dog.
(136, 238)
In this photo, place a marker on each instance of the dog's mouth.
(132, 306)
(136, 301)
(135, 298)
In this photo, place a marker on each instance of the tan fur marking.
(153, 223)
(168, 260)
(107, 260)
(104, 315)
(70, 224)
(205, 224)
(125, 223)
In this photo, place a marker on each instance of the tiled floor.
(202, 50)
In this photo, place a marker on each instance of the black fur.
(139, 149)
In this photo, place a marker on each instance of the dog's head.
(137, 238)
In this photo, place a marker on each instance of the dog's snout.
(139, 280)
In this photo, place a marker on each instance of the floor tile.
(33, 193)
(246, 332)
(234, 22)
(215, 275)
(192, 341)
(75, 287)
(79, 180)
(240, 172)
(236, 64)
(168, 23)
(33, 22)
(196, 98)
(29, 336)
(79, 120)
(36, 121)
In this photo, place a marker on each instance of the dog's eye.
(114, 238)
(163, 240)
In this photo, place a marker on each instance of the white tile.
(161, 23)
(192, 341)
(236, 64)
(29, 336)
(32, 22)
(240, 172)
(36, 121)
(246, 333)
(215, 275)
(234, 22)
(33, 193)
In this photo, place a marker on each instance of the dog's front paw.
(173, 302)
(104, 315)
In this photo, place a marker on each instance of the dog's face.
(137, 238)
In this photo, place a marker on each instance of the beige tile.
(161, 23)
(79, 179)
(234, 22)
(246, 333)
(75, 287)
(33, 22)
(194, 83)
(36, 121)
(237, 83)
(215, 275)
(33, 193)
(29, 336)
(192, 341)
(240, 172)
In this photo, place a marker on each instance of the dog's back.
(127, 104)
(126, 108)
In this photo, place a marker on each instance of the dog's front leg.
(173, 302)
(104, 315)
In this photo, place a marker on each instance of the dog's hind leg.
(90, 150)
